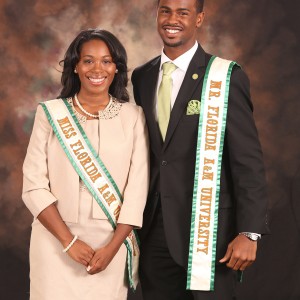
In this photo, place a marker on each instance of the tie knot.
(168, 68)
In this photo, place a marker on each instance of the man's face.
(177, 23)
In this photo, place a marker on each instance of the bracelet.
(71, 244)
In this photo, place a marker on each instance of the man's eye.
(182, 13)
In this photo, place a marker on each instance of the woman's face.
(96, 69)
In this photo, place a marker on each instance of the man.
(242, 204)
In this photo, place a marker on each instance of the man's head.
(177, 23)
(199, 5)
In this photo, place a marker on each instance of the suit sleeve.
(36, 187)
(135, 89)
(136, 190)
(245, 157)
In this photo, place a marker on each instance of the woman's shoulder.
(131, 107)
(50, 101)
(41, 110)
(42, 105)
(131, 112)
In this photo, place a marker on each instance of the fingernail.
(88, 268)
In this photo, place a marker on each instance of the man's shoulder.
(149, 64)
(237, 69)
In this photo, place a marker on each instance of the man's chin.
(172, 44)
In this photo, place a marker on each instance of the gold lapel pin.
(195, 76)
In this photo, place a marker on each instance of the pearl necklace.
(86, 112)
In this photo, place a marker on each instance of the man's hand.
(240, 254)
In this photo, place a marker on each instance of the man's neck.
(174, 52)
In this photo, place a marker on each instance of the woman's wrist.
(66, 249)
(113, 246)
(65, 239)
(119, 237)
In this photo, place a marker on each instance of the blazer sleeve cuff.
(130, 216)
(37, 200)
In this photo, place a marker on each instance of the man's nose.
(173, 18)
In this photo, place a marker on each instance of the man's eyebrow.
(178, 9)
(183, 9)
(165, 7)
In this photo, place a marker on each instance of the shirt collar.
(182, 62)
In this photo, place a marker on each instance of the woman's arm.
(52, 221)
(37, 194)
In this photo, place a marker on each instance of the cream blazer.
(50, 178)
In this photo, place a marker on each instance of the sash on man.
(211, 131)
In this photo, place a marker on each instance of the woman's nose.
(97, 67)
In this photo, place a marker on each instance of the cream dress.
(54, 275)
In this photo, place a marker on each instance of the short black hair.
(199, 5)
(70, 80)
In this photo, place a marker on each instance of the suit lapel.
(149, 106)
(189, 84)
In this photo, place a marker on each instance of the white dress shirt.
(182, 63)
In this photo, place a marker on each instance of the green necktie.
(164, 98)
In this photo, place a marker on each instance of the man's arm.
(247, 169)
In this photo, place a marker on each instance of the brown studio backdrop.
(261, 36)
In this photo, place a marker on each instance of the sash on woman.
(211, 131)
(92, 171)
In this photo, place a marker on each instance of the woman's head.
(70, 78)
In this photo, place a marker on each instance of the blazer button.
(164, 163)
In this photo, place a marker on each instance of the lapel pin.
(195, 76)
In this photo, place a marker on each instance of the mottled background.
(263, 36)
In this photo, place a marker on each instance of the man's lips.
(172, 30)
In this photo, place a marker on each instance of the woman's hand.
(81, 253)
(101, 259)
(104, 256)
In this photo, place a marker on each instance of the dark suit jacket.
(243, 203)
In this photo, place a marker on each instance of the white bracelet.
(71, 244)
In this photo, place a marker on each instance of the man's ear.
(200, 18)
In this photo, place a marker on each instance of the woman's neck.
(93, 101)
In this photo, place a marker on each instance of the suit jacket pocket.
(191, 118)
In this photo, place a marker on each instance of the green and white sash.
(92, 171)
(204, 222)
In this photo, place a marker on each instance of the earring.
(116, 71)
(75, 71)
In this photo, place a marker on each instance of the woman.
(87, 148)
